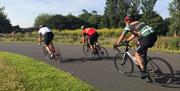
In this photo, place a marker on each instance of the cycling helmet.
(83, 27)
(128, 17)
(42, 25)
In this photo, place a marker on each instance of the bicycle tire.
(87, 50)
(46, 53)
(102, 52)
(57, 55)
(160, 71)
(125, 66)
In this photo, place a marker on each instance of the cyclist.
(92, 34)
(48, 37)
(146, 39)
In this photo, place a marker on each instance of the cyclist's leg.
(140, 51)
(48, 47)
(48, 43)
(96, 39)
(138, 54)
(93, 39)
(92, 45)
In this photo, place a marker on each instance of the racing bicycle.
(159, 70)
(100, 51)
(55, 51)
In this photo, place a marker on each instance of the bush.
(170, 43)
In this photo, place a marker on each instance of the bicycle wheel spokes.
(160, 71)
(125, 66)
(57, 55)
(102, 52)
(87, 50)
(46, 53)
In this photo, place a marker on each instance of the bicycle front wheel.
(160, 71)
(87, 50)
(123, 64)
(46, 53)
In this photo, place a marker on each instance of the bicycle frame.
(55, 51)
(153, 66)
(126, 52)
(131, 57)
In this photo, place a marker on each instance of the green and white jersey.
(136, 26)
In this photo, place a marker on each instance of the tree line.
(113, 17)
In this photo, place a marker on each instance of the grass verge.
(10, 80)
(21, 73)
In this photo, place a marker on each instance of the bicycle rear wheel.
(160, 71)
(46, 53)
(87, 50)
(57, 54)
(124, 65)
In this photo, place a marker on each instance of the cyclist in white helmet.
(48, 37)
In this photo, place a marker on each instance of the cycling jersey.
(89, 31)
(140, 27)
(47, 33)
(44, 30)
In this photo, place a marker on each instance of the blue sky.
(24, 12)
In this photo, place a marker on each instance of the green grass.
(10, 79)
(21, 73)
(107, 38)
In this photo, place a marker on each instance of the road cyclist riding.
(146, 39)
(91, 46)
(158, 70)
(49, 50)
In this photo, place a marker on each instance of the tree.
(57, 22)
(85, 16)
(42, 19)
(104, 22)
(166, 25)
(73, 22)
(111, 12)
(150, 17)
(122, 11)
(174, 9)
(116, 10)
(5, 25)
(133, 6)
(148, 10)
(95, 20)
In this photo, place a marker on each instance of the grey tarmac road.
(99, 73)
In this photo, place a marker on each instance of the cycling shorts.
(94, 38)
(48, 37)
(146, 42)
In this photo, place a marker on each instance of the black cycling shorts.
(146, 42)
(48, 37)
(94, 38)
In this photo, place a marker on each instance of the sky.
(24, 12)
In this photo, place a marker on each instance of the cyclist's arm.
(39, 38)
(83, 38)
(125, 31)
(131, 37)
(120, 38)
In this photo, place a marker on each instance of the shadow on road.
(177, 78)
(83, 59)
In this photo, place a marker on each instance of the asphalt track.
(99, 73)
